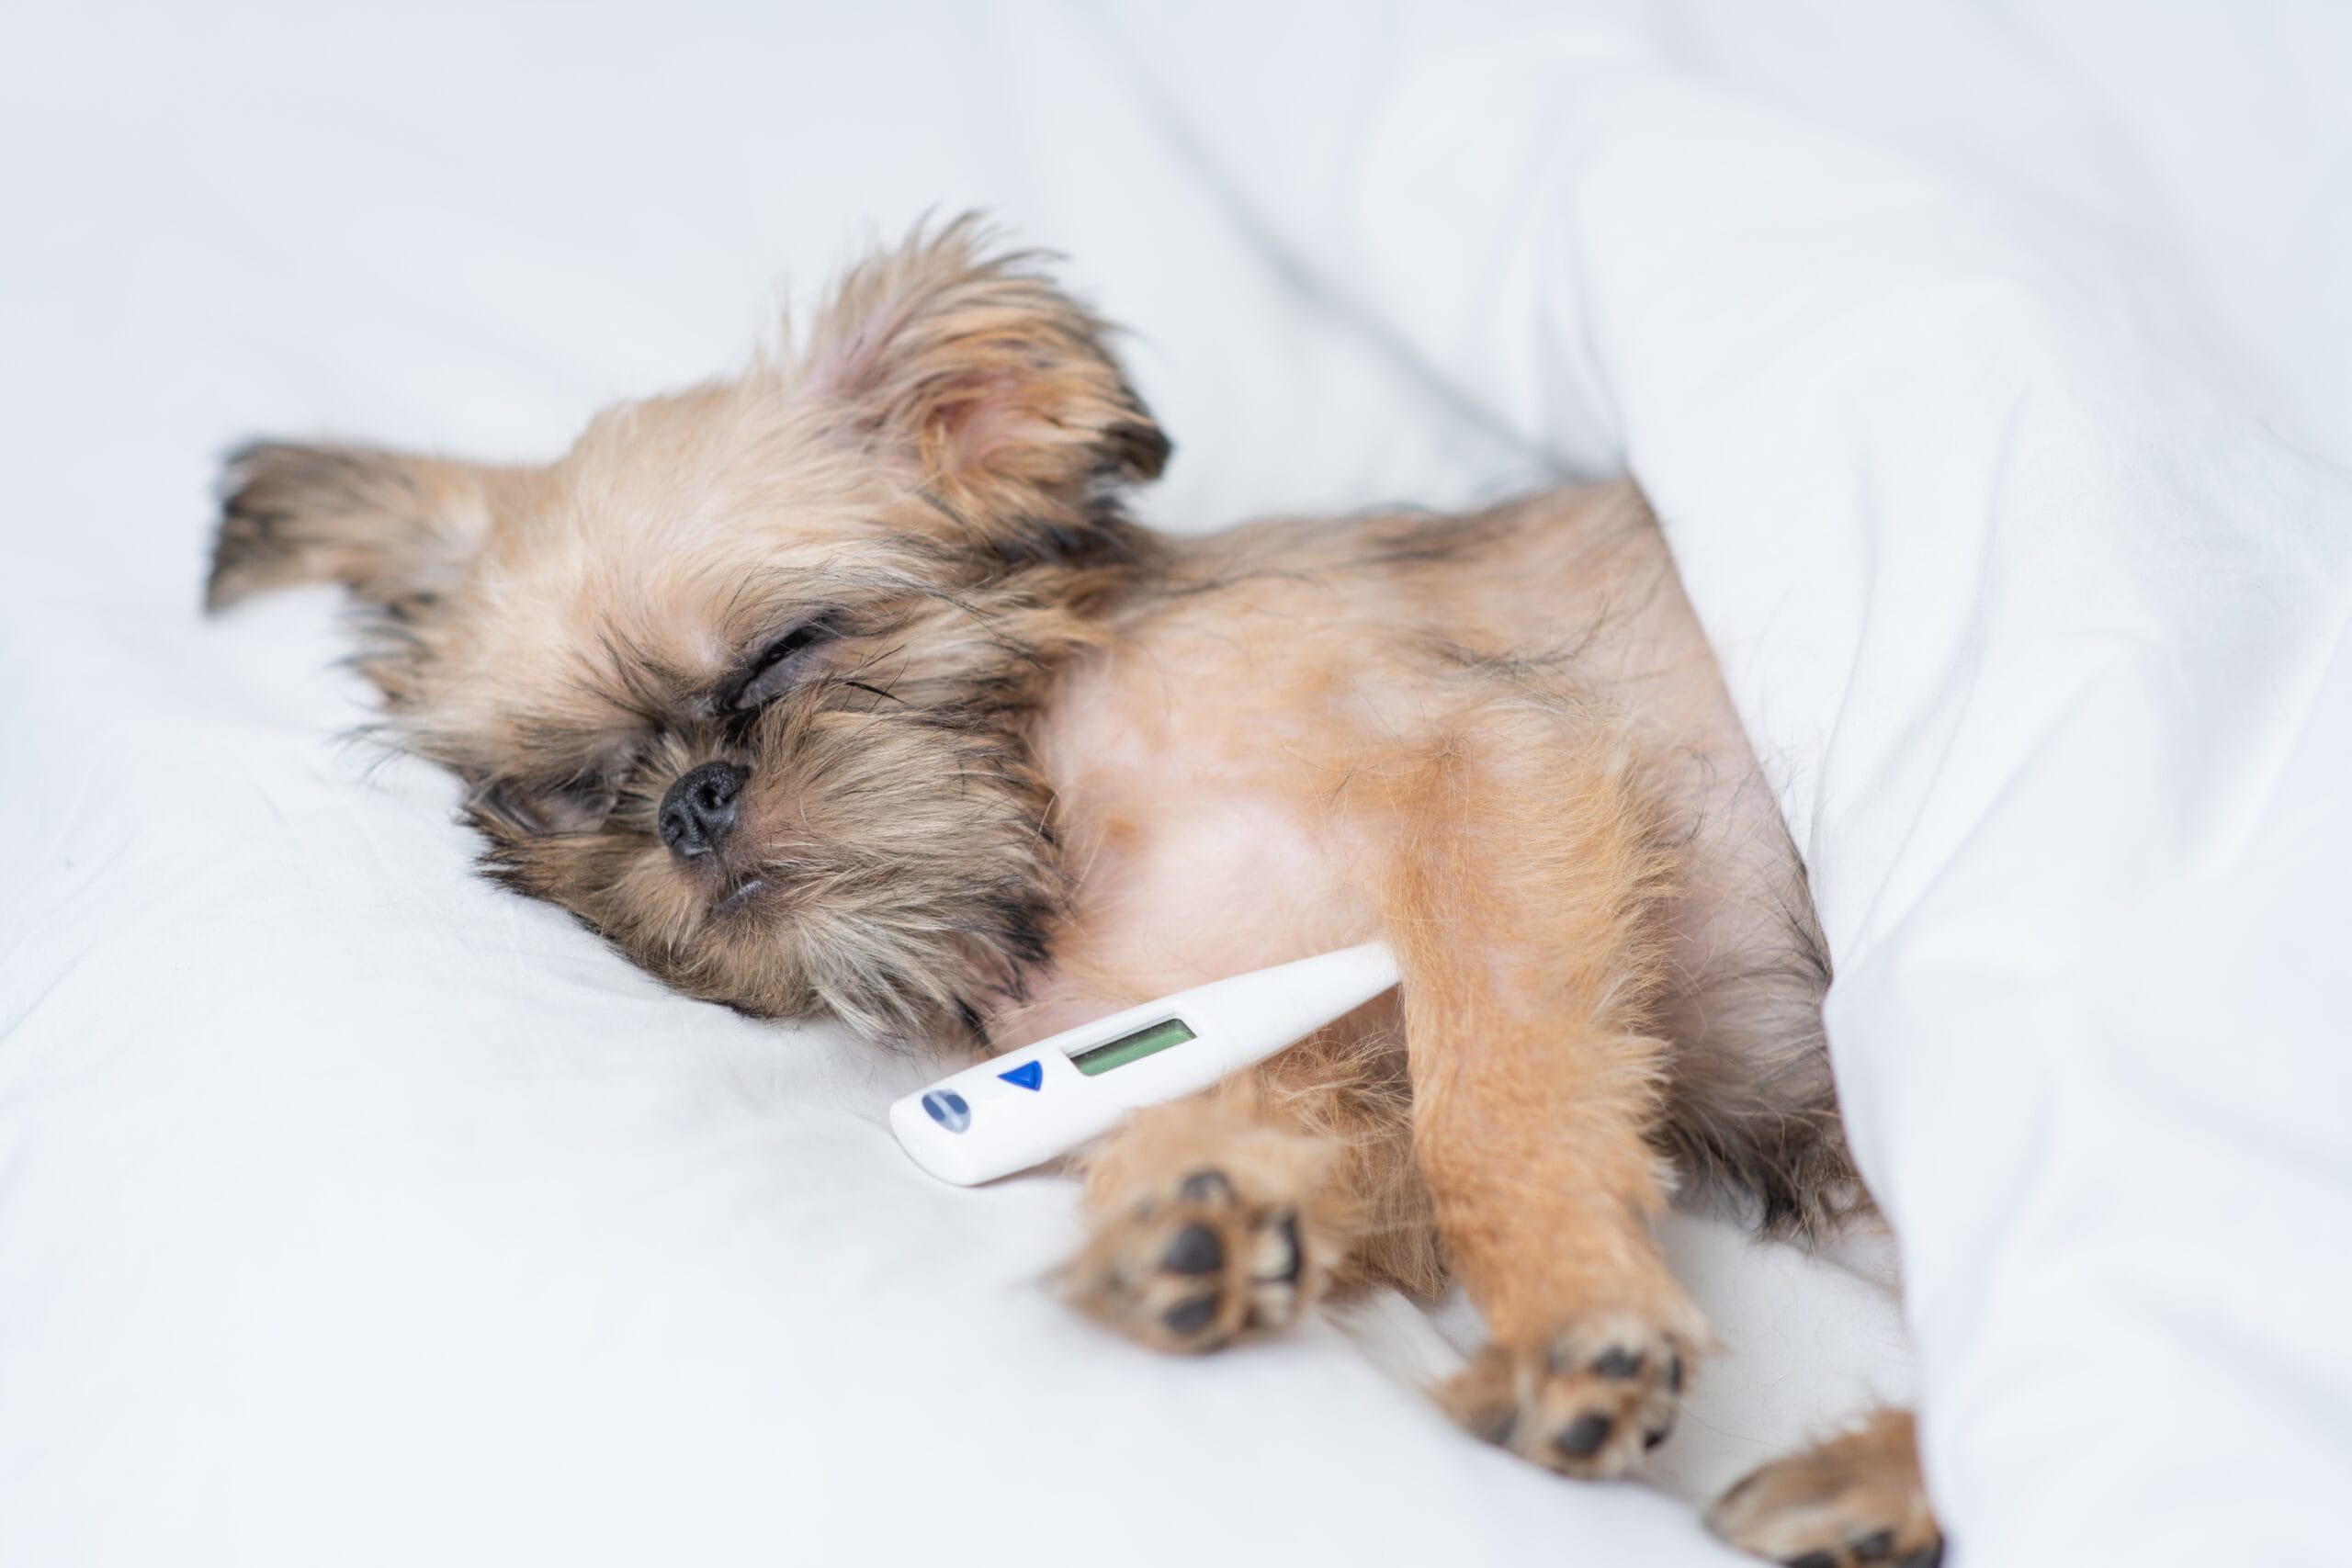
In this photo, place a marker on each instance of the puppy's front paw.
(1206, 1261)
(1852, 1502)
(1588, 1401)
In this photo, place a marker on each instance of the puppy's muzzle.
(699, 810)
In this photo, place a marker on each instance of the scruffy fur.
(995, 760)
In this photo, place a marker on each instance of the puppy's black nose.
(699, 809)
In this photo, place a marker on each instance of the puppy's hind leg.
(1212, 1220)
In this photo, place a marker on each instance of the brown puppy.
(845, 687)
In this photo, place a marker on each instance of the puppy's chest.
(1193, 852)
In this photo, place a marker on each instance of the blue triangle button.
(1030, 1074)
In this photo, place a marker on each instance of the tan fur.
(1851, 1500)
(1007, 760)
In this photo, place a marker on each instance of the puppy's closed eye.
(577, 806)
(778, 667)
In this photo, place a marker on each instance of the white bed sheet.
(353, 1211)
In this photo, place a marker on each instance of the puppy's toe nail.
(1811, 1560)
(1674, 1374)
(1874, 1548)
(1207, 1187)
(1195, 1250)
(1189, 1316)
(1280, 1256)
(1928, 1556)
(1584, 1437)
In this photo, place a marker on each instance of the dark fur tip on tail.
(248, 532)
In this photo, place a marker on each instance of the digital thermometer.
(1028, 1106)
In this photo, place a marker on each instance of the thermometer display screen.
(1148, 1040)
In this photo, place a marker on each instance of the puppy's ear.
(967, 361)
(397, 530)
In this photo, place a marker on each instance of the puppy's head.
(742, 679)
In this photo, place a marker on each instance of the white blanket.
(1990, 370)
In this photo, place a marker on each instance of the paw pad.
(1870, 1552)
(1589, 1402)
(1195, 1250)
(1618, 1362)
(1197, 1266)
(1189, 1316)
(1206, 1187)
(1584, 1438)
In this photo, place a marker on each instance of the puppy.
(846, 687)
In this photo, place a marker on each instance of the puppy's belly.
(1193, 884)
